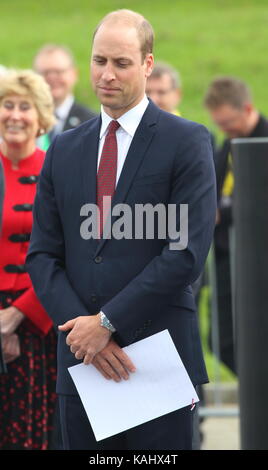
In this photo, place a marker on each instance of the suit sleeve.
(193, 184)
(47, 252)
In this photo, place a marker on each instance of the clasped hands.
(10, 319)
(92, 342)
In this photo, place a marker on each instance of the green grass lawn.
(201, 38)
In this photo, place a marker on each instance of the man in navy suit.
(107, 293)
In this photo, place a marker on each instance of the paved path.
(220, 433)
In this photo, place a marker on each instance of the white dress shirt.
(124, 135)
(61, 112)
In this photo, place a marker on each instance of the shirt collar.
(63, 109)
(128, 121)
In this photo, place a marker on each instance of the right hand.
(87, 337)
(113, 363)
(10, 317)
(11, 347)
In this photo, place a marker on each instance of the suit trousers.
(169, 432)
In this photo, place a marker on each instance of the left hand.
(87, 337)
(10, 319)
(113, 363)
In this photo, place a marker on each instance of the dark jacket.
(221, 163)
(141, 285)
(77, 115)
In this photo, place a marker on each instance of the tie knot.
(113, 126)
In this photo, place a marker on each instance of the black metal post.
(250, 158)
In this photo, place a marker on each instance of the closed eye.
(98, 60)
(123, 63)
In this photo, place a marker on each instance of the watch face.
(105, 322)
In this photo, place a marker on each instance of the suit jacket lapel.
(89, 161)
(138, 147)
(89, 158)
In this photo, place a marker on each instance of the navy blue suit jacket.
(142, 286)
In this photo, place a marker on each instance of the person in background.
(164, 88)
(1, 192)
(27, 390)
(3, 70)
(230, 105)
(56, 64)
(2, 365)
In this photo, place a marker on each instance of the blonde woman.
(27, 389)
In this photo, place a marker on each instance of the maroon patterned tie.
(106, 178)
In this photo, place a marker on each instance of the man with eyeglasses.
(230, 105)
(164, 88)
(56, 64)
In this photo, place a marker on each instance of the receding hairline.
(130, 19)
(124, 16)
(48, 49)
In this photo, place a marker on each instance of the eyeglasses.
(56, 72)
(159, 92)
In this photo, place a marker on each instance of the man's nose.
(108, 73)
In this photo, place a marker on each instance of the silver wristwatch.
(106, 323)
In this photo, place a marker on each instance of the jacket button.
(98, 259)
(93, 298)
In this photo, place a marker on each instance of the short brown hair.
(29, 83)
(227, 90)
(132, 19)
(161, 68)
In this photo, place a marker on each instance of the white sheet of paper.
(159, 386)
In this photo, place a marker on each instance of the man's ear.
(149, 61)
(74, 72)
(248, 107)
(178, 92)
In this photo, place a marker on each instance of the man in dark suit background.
(56, 64)
(231, 108)
(107, 293)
